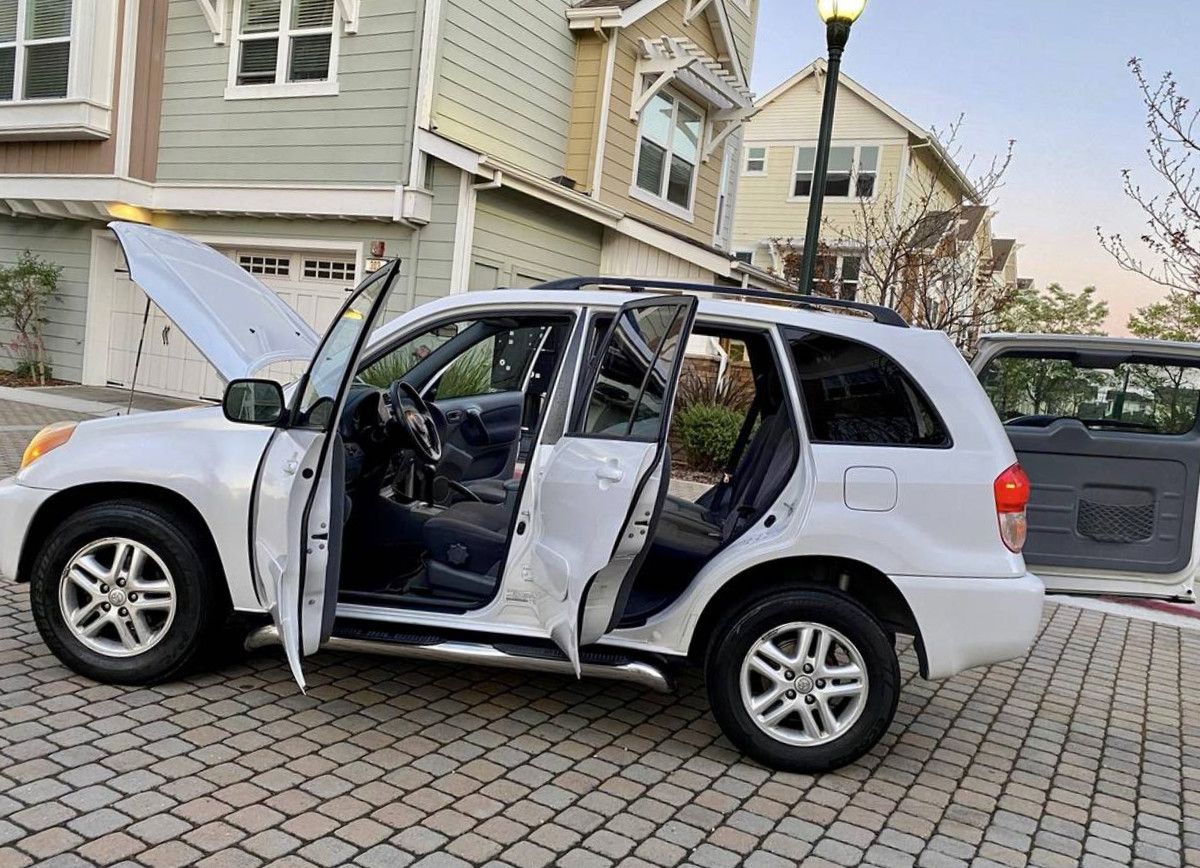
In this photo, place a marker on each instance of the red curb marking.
(1183, 610)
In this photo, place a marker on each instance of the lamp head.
(845, 11)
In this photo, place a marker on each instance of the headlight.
(46, 440)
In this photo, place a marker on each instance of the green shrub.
(708, 433)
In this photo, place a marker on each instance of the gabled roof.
(622, 13)
(922, 135)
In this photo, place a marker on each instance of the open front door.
(601, 484)
(1108, 432)
(299, 498)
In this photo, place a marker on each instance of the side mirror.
(253, 402)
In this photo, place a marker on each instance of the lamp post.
(838, 16)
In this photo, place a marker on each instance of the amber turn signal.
(46, 440)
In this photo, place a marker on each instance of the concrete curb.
(60, 402)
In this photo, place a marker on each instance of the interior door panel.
(1108, 500)
(482, 437)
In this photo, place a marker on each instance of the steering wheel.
(415, 418)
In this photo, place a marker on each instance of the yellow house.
(890, 180)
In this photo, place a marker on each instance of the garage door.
(315, 284)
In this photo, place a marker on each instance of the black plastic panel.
(1106, 500)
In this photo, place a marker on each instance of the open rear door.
(1107, 430)
(602, 484)
(299, 497)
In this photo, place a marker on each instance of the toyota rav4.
(486, 479)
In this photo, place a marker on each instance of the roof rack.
(882, 315)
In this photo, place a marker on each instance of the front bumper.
(967, 622)
(18, 505)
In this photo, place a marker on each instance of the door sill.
(364, 637)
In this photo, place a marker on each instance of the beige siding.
(744, 22)
(66, 243)
(586, 104)
(765, 208)
(627, 257)
(360, 135)
(796, 116)
(929, 184)
(522, 241)
(504, 81)
(619, 154)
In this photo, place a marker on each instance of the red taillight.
(1012, 497)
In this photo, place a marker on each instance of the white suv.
(485, 479)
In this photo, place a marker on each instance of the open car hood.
(235, 321)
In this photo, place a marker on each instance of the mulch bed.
(8, 378)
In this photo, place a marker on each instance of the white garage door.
(315, 284)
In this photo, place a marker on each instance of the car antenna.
(137, 361)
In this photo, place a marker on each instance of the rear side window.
(854, 394)
(1138, 394)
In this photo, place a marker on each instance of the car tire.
(168, 610)
(823, 722)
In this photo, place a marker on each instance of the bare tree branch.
(1172, 215)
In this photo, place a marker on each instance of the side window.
(628, 398)
(854, 394)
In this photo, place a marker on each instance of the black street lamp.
(838, 16)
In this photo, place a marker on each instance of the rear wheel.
(123, 592)
(804, 681)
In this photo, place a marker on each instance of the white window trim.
(281, 88)
(840, 264)
(86, 111)
(747, 172)
(662, 203)
(858, 146)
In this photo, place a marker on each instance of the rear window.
(1138, 394)
(854, 394)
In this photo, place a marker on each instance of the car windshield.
(1136, 393)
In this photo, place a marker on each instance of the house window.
(329, 269)
(284, 48)
(756, 161)
(838, 276)
(746, 256)
(35, 49)
(669, 152)
(271, 266)
(851, 168)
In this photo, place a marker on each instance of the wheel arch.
(64, 503)
(861, 582)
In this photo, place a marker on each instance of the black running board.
(411, 645)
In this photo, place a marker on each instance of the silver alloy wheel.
(804, 684)
(117, 597)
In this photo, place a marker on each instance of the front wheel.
(123, 592)
(803, 681)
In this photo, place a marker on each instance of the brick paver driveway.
(1088, 750)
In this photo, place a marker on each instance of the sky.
(1051, 75)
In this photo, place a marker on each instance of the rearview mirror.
(253, 402)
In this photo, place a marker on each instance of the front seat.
(466, 546)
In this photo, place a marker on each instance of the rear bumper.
(967, 622)
(18, 505)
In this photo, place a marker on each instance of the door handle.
(610, 472)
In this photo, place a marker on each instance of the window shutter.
(308, 14)
(47, 19)
(257, 64)
(46, 68)
(259, 16)
(8, 62)
(310, 57)
(8, 20)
